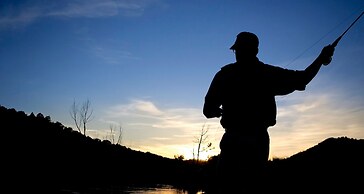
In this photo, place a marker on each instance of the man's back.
(246, 91)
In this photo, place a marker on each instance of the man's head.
(246, 44)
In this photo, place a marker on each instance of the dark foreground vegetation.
(41, 155)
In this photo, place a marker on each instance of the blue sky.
(146, 65)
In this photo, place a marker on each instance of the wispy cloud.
(136, 108)
(14, 19)
(110, 55)
(306, 120)
(15, 16)
(146, 113)
(100, 8)
(154, 128)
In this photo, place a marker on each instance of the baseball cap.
(245, 39)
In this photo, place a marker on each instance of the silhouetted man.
(243, 95)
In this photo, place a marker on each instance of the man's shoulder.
(271, 67)
(228, 65)
(231, 67)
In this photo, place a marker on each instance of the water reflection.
(159, 189)
(134, 189)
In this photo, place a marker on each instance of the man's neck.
(247, 59)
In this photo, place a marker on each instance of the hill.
(333, 165)
(41, 154)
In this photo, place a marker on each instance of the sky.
(145, 67)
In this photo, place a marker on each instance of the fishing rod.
(339, 38)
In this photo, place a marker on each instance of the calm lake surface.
(154, 189)
(160, 189)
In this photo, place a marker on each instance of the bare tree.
(202, 142)
(179, 157)
(81, 116)
(112, 134)
(120, 135)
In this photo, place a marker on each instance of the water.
(159, 189)
(153, 189)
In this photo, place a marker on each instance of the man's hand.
(326, 54)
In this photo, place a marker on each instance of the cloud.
(112, 56)
(100, 8)
(153, 128)
(136, 108)
(304, 120)
(18, 19)
(145, 113)
(16, 16)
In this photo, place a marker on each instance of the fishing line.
(335, 42)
